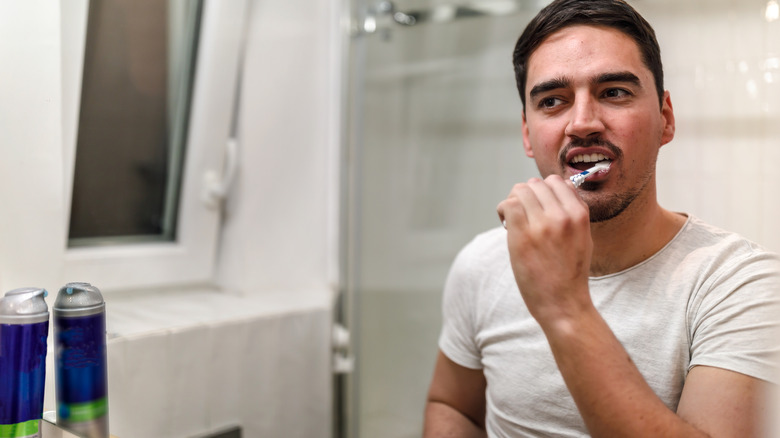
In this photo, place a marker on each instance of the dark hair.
(616, 14)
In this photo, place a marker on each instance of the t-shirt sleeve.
(457, 338)
(736, 323)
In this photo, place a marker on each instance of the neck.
(633, 236)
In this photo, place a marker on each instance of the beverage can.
(81, 375)
(24, 329)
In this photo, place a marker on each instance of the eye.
(616, 93)
(549, 102)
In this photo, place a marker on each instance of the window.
(148, 97)
(135, 94)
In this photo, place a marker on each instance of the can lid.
(77, 299)
(25, 305)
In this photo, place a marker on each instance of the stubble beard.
(605, 207)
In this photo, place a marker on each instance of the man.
(597, 312)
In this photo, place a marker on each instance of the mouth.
(582, 162)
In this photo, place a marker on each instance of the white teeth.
(585, 158)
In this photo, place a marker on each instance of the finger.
(514, 210)
(528, 196)
(511, 211)
(500, 212)
(568, 197)
(547, 196)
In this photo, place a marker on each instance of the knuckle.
(520, 188)
(581, 217)
(554, 178)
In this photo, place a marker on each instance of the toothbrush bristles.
(580, 178)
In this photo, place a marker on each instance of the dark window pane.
(138, 69)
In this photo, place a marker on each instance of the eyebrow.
(563, 82)
(621, 76)
(552, 84)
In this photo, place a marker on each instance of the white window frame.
(191, 258)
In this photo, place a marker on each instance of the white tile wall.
(720, 67)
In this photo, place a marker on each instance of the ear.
(667, 117)
(529, 152)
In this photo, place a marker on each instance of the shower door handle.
(343, 362)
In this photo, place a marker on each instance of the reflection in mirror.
(136, 90)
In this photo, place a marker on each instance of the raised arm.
(456, 401)
(550, 248)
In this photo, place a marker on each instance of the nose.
(585, 118)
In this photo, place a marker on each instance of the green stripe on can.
(19, 430)
(78, 412)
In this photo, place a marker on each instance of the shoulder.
(486, 251)
(732, 313)
(479, 264)
(722, 248)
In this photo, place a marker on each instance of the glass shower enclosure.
(435, 143)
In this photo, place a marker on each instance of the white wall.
(31, 159)
(281, 219)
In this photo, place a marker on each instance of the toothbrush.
(580, 178)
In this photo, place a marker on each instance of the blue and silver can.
(24, 328)
(81, 374)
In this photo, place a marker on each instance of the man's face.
(589, 97)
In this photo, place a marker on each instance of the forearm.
(442, 420)
(609, 391)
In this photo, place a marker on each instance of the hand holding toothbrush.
(550, 247)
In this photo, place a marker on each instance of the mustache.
(589, 142)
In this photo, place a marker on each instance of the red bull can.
(24, 328)
(81, 375)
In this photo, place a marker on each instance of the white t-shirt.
(709, 297)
